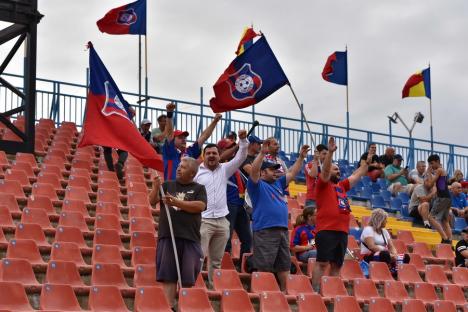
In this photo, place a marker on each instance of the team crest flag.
(128, 19)
(108, 117)
(418, 85)
(251, 77)
(246, 40)
(336, 68)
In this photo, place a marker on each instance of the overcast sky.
(192, 42)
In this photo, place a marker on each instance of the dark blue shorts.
(190, 259)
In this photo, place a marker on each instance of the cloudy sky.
(192, 42)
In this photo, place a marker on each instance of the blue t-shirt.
(232, 192)
(269, 208)
(459, 201)
(172, 156)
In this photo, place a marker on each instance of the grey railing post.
(200, 124)
(301, 138)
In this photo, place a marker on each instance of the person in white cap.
(145, 131)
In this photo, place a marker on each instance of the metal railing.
(63, 101)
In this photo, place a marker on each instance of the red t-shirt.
(333, 209)
(310, 182)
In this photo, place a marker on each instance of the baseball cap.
(398, 157)
(465, 230)
(269, 164)
(180, 132)
(255, 139)
(145, 121)
(225, 143)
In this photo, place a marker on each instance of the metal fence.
(62, 101)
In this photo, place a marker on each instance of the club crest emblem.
(244, 83)
(113, 104)
(127, 17)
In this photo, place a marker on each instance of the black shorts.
(414, 212)
(331, 246)
(190, 259)
(271, 250)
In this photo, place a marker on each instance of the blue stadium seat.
(366, 180)
(383, 183)
(343, 162)
(404, 198)
(405, 213)
(377, 201)
(459, 225)
(364, 194)
(395, 204)
(356, 232)
(375, 188)
(387, 195)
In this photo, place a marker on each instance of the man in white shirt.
(416, 176)
(214, 176)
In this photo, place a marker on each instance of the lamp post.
(418, 118)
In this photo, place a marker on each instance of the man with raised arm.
(186, 200)
(175, 146)
(266, 187)
(333, 213)
(215, 176)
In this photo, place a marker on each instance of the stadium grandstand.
(76, 237)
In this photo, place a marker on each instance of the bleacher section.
(75, 238)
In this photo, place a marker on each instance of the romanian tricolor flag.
(418, 84)
(246, 40)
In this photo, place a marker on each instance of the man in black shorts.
(461, 250)
(186, 200)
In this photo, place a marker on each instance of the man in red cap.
(175, 146)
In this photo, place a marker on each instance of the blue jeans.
(304, 256)
(240, 222)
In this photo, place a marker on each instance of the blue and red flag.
(129, 19)
(336, 68)
(108, 117)
(251, 77)
(246, 41)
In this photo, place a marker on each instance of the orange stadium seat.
(12, 187)
(75, 205)
(378, 304)
(413, 305)
(425, 292)
(137, 187)
(50, 168)
(41, 202)
(444, 306)
(263, 281)
(19, 176)
(422, 250)
(346, 303)
(108, 196)
(408, 274)
(310, 302)
(151, 299)
(379, 272)
(80, 172)
(58, 297)
(143, 239)
(36, 216)
(145, 275)
(405, 236)
(76, 192)
(235, 300)
(108, 237)
(460, 276)
(395, 291)
(79, 181)
(435, 275)
(350, 270)
(108, 208)
(26, 158)
(417, 261)
(44, 189)
(138, 199)
(70, 234)
(143, 255)
(74, 219)
(297, 284)
(24, 249)
(226, 279)
(194, 299)
(445, 252)
(13, 297)
(17, 270)
(364, 290)
(108, 274)
(139, 211)
(9, 200)
(108, 184)
(455, 294)
(107, 254)
(31, 231)
(106, 298)
(273, 301)
(108, 222)
(63, 272)
(65, 251)
(332, 286)
(24, 166)
(5, 217)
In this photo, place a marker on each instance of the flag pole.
(171, 230)
(139, 74)
(146, 76)
(347, 107)
(430, 116)
(303, 115)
